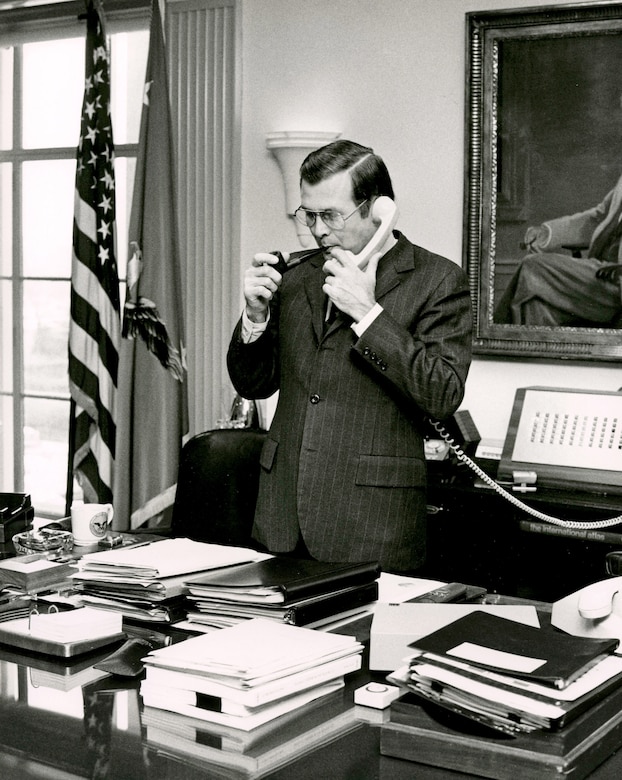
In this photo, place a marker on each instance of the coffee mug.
(90, 522)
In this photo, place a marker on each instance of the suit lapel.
(394, 263)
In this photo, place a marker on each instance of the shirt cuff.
(361, 326)
(251, 331)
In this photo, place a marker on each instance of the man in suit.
(551, 287)
(343, 473)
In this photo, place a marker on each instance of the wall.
(388, 74)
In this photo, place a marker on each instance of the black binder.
(281, 580)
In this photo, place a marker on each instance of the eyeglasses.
(332, 219)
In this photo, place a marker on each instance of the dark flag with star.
(152, 411)
(94, 331)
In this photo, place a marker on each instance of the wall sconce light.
(290, 148)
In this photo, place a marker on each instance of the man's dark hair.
(370, 177)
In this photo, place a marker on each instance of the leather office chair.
(217, 486)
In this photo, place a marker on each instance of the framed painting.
(543, 186)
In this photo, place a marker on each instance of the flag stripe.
(94, 331)
(98, 409)
(85, 217)
(97, 451)
(93, 311)
(95, 461)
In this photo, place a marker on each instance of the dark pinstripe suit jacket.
(343, 461)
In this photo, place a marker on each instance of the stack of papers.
(63, 634)
(511, 677)
(249, 754)
(146, 582)
(248, 674)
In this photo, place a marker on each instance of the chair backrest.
(217, 486)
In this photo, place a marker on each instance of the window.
(41, 89)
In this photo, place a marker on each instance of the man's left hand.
(349, 288)
(610, 272)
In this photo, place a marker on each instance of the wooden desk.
(46, 731)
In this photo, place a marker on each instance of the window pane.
(46, 331)
(124, 172)
(128, 64)
(6, 231)
(53, 85)
(7, 480)
(6, 98)
(6, 336)
(46, 450)
(47, 217)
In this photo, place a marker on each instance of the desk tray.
(16, 634)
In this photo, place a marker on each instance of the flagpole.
(72, 434)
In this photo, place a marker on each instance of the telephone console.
(553, 434)
(568, 437)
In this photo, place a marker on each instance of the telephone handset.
(593, 611)
(385, 212)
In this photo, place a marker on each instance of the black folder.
(565, 657)
(281, 580)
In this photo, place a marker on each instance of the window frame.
(42, 22)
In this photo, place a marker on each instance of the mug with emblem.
(90, 522)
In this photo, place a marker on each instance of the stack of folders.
(299, 592)
(146, 582)
(225, 751)
(249, 674)
(518, 698)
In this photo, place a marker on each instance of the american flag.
(94, 331)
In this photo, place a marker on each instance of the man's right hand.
(261, 281)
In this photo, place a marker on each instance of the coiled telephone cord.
(575, 524)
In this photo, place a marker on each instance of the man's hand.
(536, 237)
(347, 286)
(261, 281)
(610, 272)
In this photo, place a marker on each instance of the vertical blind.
(200, 41)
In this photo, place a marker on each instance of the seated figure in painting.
(554, 285)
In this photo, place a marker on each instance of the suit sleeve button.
(315, 398)
(366, 351)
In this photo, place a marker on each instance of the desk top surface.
(62, 717)
(67, 718)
